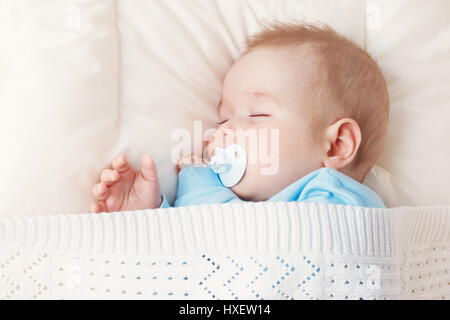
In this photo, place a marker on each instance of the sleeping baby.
(328, 101)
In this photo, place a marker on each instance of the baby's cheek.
(254, 186)
(246, 187)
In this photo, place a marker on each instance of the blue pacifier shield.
(230, 164)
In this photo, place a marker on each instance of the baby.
(326, 97)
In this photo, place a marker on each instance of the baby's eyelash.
(259, 115)
(251, 116)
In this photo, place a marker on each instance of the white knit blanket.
(231, 251)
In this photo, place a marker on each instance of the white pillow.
(411, 41)
(82, 81)
(75, 92)
(58, 109)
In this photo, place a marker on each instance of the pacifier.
(229, 163)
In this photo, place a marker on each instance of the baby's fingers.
(100, 191)
(120, 163)
(98, 207)
(110, 177)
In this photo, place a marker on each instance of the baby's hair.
(353, 83)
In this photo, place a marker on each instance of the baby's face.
(271, 90)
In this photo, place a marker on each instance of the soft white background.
(81, 81)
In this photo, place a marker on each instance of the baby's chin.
(244, 194)
(252, 188)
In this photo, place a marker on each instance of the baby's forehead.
(304, 60)
(306, 56)
(305, 63)
(308, 51)
(278, 71)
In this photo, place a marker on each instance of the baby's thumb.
(148, 169)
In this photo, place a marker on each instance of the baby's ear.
(343, 139)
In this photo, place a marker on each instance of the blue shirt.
(202, 186)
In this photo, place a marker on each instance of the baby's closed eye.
(260, 111)
(253, 115)
(259, 115)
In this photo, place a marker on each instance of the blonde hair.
(353, 84)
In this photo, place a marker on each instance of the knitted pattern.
(230, 251)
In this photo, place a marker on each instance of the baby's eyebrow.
(258, 94)
(263, 94)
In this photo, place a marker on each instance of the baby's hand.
(122, 188)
